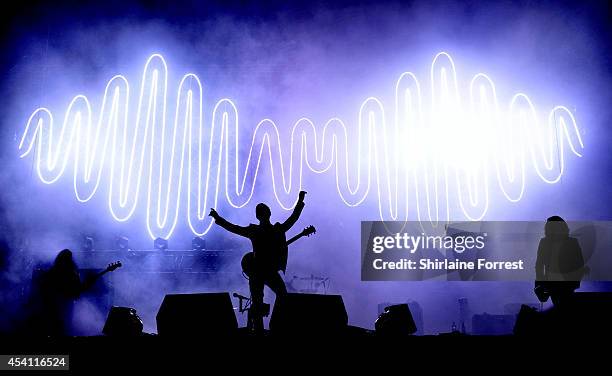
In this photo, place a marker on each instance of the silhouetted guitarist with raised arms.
(270, 251)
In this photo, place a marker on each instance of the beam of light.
(428, 155)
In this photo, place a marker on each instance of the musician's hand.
(213, 213)
(302, 195)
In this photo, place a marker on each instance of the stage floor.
(353, 349)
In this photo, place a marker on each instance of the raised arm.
(238, 230)
(296, 212)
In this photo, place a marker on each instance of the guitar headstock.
(113, 266)
(309, 230)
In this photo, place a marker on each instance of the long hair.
(64, 262)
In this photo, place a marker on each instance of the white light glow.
(431, 153)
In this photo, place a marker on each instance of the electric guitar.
(111, 267)
(248, 259)
(92, 280)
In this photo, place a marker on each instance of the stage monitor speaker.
(590, 313)
(123, 321)
(191, 315)
(395, 320)
(586, 313)
(309, 313)
(583, 313)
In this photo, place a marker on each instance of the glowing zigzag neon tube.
(430, 154)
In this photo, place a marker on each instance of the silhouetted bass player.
(59, 288)
(269, 248)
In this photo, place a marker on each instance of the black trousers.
(257, 281)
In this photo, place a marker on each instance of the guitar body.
(248, 260)
(248, 263)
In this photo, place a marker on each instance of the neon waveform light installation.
(429, 153)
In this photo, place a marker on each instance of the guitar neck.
(294, 238)
(92, 280)
(107, 270)
(100, 274)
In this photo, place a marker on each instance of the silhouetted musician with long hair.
(58, 289)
